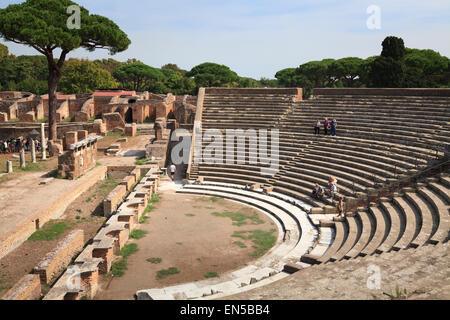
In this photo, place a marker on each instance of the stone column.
(43, 144)
(9, 167)
(33, 151)
(22, 159)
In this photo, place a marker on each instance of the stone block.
(131, 130)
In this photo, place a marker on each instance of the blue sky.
(258, 38)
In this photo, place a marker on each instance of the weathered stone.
(43, 142)
(22, 159)
(9, 166)
(33, 151)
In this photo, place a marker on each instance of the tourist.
(326, 123)
(317, 192)
(333, 190)
(172, 169)
(333, 127)
(317, 128)
(340, 206)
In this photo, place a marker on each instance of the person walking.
(172, 169)
(326, 123)
(317, 128)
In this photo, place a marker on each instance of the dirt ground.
(83, 213)
(183, 232)
(21, 195)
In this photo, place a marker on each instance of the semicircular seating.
(380, 139)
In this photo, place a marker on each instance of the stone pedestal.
(9, 166)
(22, 159)
(130, 130)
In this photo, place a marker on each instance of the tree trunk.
(53, 79)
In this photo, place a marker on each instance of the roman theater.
(96, 215)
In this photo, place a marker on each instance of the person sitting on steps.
(317, 192)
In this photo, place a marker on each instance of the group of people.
(14, 145)
(331, 190)
(328, 126)
(318, 193)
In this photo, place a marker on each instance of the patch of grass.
(164, 273)
(89, 199)
(189, 215)
(78, 217)
(211, 275)
(210, 208)
(141, 161)
(180, 243)
(128, 250)
(49, 232)
(138, 234)
(154, 260)
(118, 268)
(114, 134)
(143, 219)
(202, 199)
(30, 167)
(214, 199)
(238, 218)
(263, 240)
(240, 244)
(240, 234)
(155, 198)
(197, 207)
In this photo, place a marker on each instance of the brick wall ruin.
(80, 158)
(132, 106)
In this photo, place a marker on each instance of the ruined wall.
(79, 159)
(60, 257)
(28, 288)
(113, 120)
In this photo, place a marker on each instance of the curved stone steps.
(441, 190)
(395, 225)
(350, 166)
(411, 223)
(426, 215)
(310, 183)
(298, 192)
(407, 152)
(295, 172)
(380, 231)
(331, 170)
(367, 229)
(341, 236)
(352, 237)
(442, 212)
(384, 160)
